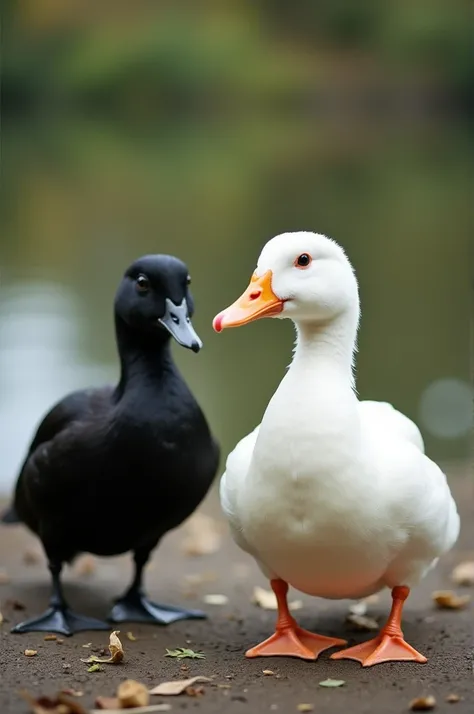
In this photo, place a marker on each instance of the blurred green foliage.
(144, 56)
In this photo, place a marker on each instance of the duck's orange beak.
(257, 301)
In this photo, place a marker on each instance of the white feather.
(333, 495)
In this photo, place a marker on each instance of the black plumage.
(139, 454)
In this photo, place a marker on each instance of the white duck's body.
(329, 494)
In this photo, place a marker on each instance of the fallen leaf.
(131, 637)
(115, 649)
(266, 599)
(85, 565)
(94, 668)
(107, 703)
(170, 689)
(203, 535)
(184, 653)
(362, 622)
(50, 638)
(463, 574)
(453, 698)
(30, 653)
(422, 704)
(132, 694)
(267, 672)
(31, 556)
(305, 707)
(4, 577)
(448, 600)
(332, 683)
(216, 599)
(57, 705)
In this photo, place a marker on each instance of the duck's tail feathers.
(10, 516)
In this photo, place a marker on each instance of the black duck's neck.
(145, 358)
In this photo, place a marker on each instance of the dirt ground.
(238, 685)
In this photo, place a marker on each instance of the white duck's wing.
(382, 415)
(237, 466)
(431, 513)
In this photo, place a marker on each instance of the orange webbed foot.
(294, 642)
(384, 648)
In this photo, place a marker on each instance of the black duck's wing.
(78, 406)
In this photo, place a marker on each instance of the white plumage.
(330, 494)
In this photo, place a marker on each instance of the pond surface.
(81, 200)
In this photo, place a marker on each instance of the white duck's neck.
(329, 346)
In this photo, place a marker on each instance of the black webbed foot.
(60, 620)
(135, 607)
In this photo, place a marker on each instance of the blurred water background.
(202, 129)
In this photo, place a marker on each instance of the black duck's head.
(154, 300)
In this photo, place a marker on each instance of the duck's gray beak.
(178, 323)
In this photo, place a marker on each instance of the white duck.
(329, 494)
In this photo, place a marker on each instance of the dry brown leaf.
(267, 672)
(266, 599)
(85, 565)
(448, 600)
(132, 694)
(30, 653)
(362, 622)
(453, 698)
(115, 649)
(50, 638)
(131, 637)
(53, 705)
(203, 535)
(170, 689)
(216, 599)
(4, 577)
(463, 574)
(423, 704)
(305, 707)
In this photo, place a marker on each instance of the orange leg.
(290, 640)
(389, 645)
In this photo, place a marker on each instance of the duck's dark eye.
(188, 280)
(303, 260)
(143, 284)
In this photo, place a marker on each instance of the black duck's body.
(112, 470)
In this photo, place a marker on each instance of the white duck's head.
(304, 276)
